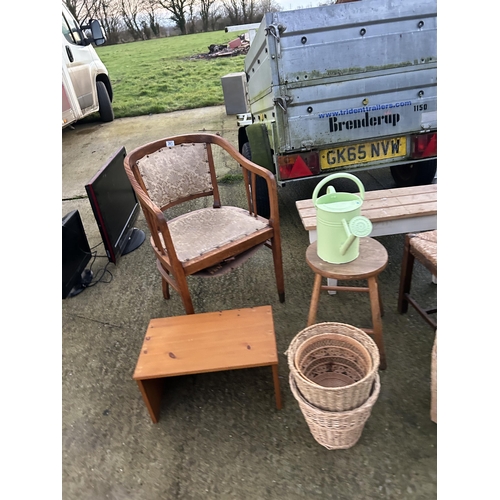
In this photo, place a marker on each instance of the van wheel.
(105, 107)
(414, 174)
(261, 192)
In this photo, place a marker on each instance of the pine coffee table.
(206, 342)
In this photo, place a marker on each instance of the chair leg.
(406, 276)
(185, 295)
(164, 283)
(377, 319)
(314, 300)
(165, 288)
(278, 267)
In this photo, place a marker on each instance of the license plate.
(362, 153)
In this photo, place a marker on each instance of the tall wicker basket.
(434, 381)
(336, 430)
(333, 365)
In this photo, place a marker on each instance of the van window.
(71, 30)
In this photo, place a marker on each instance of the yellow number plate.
(362, 153)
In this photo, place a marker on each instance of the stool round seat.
(372, 260)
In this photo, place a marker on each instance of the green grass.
(159, 76)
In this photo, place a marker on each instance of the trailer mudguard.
(260, 146)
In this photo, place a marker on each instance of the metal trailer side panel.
(258, 66)
(316, 119)
(357, 37)
(345, 58)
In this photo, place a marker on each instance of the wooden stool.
(207, 342)
(372, 260)
(423, 247)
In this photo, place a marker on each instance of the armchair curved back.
(181, 168)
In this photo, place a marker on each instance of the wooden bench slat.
(406, 191)
(384, 205)
(401, 212)
(399, 201)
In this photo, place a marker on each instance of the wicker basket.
(332, 360)
(434, 381)
(338, 381)
(336, 430)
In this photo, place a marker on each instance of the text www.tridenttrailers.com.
(364, 109)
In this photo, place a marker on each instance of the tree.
(269, 6)
(215, 14)
(192, 16)
(206, 9)
(108, 13)
(241, 11)
(152, 18)
(178, 10)
(72, 7)
(130, 10)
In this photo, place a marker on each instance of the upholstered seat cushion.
(426, 245)
(206, 229)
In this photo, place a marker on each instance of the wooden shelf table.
(206, 342)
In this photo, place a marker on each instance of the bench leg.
(331, 282)
(151, 394)
(277, 392)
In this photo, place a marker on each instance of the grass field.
(162, 75)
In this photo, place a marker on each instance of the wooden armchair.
(207, 241)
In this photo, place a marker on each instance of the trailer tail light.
(298, 165)
(424, 145)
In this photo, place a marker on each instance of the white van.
(86, 87)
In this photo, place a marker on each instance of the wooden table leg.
(151, 393)
(377, 319)
(314, 300)
(277, 391)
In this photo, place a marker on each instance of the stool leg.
(377, 319)
(406, 275)
(314, 300)
(277, 391)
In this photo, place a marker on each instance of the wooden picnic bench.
(391, 211)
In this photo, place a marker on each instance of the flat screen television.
(75, 255)
(115, 207)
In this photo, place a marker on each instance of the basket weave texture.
(434, 381)
(334, 365)
(332, 360)
(336, 430)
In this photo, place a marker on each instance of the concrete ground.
(220, 435)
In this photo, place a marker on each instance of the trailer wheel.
(414, 174)
(261, 192)
(105, 107)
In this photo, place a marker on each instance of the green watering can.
(338, 221)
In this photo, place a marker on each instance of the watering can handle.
(337, 176)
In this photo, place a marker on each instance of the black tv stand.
(134, 241)
(85, 280)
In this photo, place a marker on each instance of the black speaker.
(75, 255)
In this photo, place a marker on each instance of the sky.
(295, 4)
